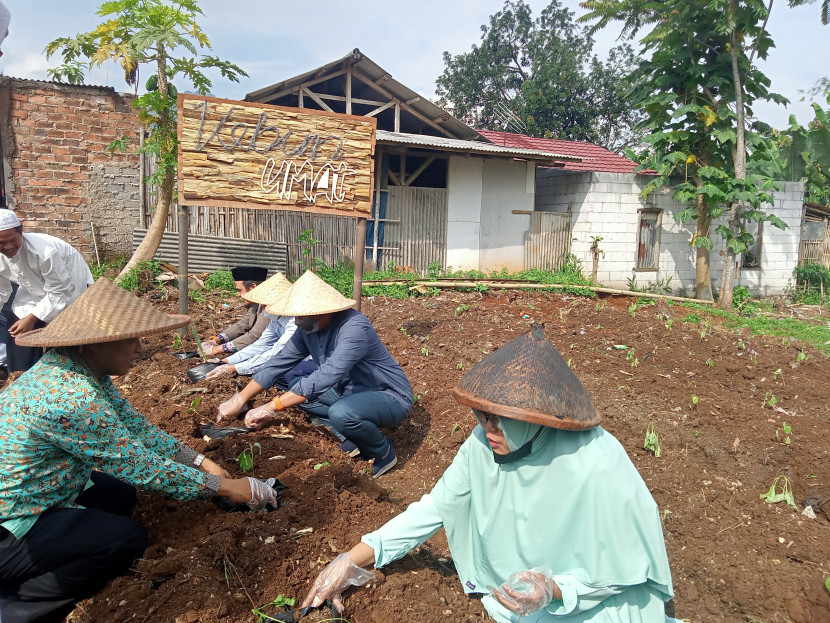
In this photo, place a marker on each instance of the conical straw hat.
(527, 379)
(105, 312)
(269, 290)
(309, 296)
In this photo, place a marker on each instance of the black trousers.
(18, 358)
(69, 554)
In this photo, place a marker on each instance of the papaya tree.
(700, 86)
(164, 35)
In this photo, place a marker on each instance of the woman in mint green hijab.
(544, 513)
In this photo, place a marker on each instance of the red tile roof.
(596, 158)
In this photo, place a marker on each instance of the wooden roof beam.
(320, 102)
(309, 83)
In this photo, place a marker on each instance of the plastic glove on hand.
(527, 591)
(339, 574)
(262, 494)
(231, 407)
(220, 372)
(259, 417)
(208, 345)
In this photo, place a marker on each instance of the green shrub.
(740, 295)
(340, 277)
(139, 276)
(809, 279)
(108, 268)
(221, 279)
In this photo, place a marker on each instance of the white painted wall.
(606, 204)
(505, 189)
(464, 212)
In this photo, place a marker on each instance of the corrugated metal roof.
(594, 157)
(380, 76)
(470, 147)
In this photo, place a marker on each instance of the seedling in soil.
(193, 404)
(785, 430)
(416, 398)
(632, 309)
(404, 331)
(570, 363)
(652, 442)
(246, 459)
(664, 515)
(322, 465)
(776, 374)
(710, 363)
(459, 365)
(425, 351)
(741, 345)
(780, 491)
(669, 323)
(769, 399)
(698, 433)
(177, 342)
(631, 356)
(198, 342)
(280, 602)
(695, 400)
(801, 357)
(461, 309)
(455, 428)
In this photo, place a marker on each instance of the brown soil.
(733, 556)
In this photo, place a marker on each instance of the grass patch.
(109, 268)
(816, 335)
(221, 279)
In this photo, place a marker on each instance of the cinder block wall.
(607, 204)
(58, 177)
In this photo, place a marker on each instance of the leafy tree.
(699, 86)
(543, 71)
(163, 33)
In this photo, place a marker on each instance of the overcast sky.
(277, 39)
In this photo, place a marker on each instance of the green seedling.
(664, 515)
(461, 309)
(780, 491)
(698, 432)
(196, 337)
(193, 404)
(455, 428)
(632, 309)
(570, 363)
(425, 351)
(459, 365)
(801, 357)
(601, 305)
(652, 442)
(416, 398)
(632, 357)
(177, 342)
(769, 399)
(404, 331)
(695, 400)
(785, 430)
(710, 362)
(741, 345)
(322, 465)
(827, 583)
(280, 602)
(669, 323)
(246, 458)
(776, 374)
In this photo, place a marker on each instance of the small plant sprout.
(177, 342)
(632, 357)
(710, 362)
(769, 399)
(695, 400)
(776, 374)
(785, 431)
(801, 357)
(405, 331)
(425, 351)
(461, 309)
(280, 602)
(780, 491)
(669, 323)
(246, 458)
(322, 465)
(698, 432)
(652, 442)
(570, 362)
(455, 428)
(632, 309)
(741, 345)
(459, 365)
(193, 404)
(664, 515)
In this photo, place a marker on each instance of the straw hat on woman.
(73, 452)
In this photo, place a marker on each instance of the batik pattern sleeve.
(352, 346)
(151, 436)
(404, 532)
(92, 431)
(57, 283)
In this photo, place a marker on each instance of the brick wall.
(58, 177)
(607, 204)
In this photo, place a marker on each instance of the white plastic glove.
(208, 345)
(231, 407)
(526, 591)
(222, 371)
(339, 574)
(259, 417)
(262, 494)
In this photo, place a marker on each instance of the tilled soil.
(706, 387)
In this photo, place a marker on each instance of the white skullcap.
(5, 18)
(8, 220)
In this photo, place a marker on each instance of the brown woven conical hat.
(309, 296)
(105, 312)
(269, 290)
(527, 379)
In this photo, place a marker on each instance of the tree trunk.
(703, 275)
(736, 208)
(148, 247)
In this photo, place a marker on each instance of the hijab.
(575, 503)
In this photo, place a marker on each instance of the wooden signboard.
(242, 154)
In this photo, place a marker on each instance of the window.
(752, 255)
(648, 240)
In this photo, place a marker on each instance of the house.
(641, 237)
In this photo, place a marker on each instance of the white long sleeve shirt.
(252, 358)
(50, 272)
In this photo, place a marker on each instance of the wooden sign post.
(239, 154)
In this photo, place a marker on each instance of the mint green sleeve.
(577, 597)
(404, 532)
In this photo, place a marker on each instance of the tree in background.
(543, 71)
(698, 86)
(164, 34)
